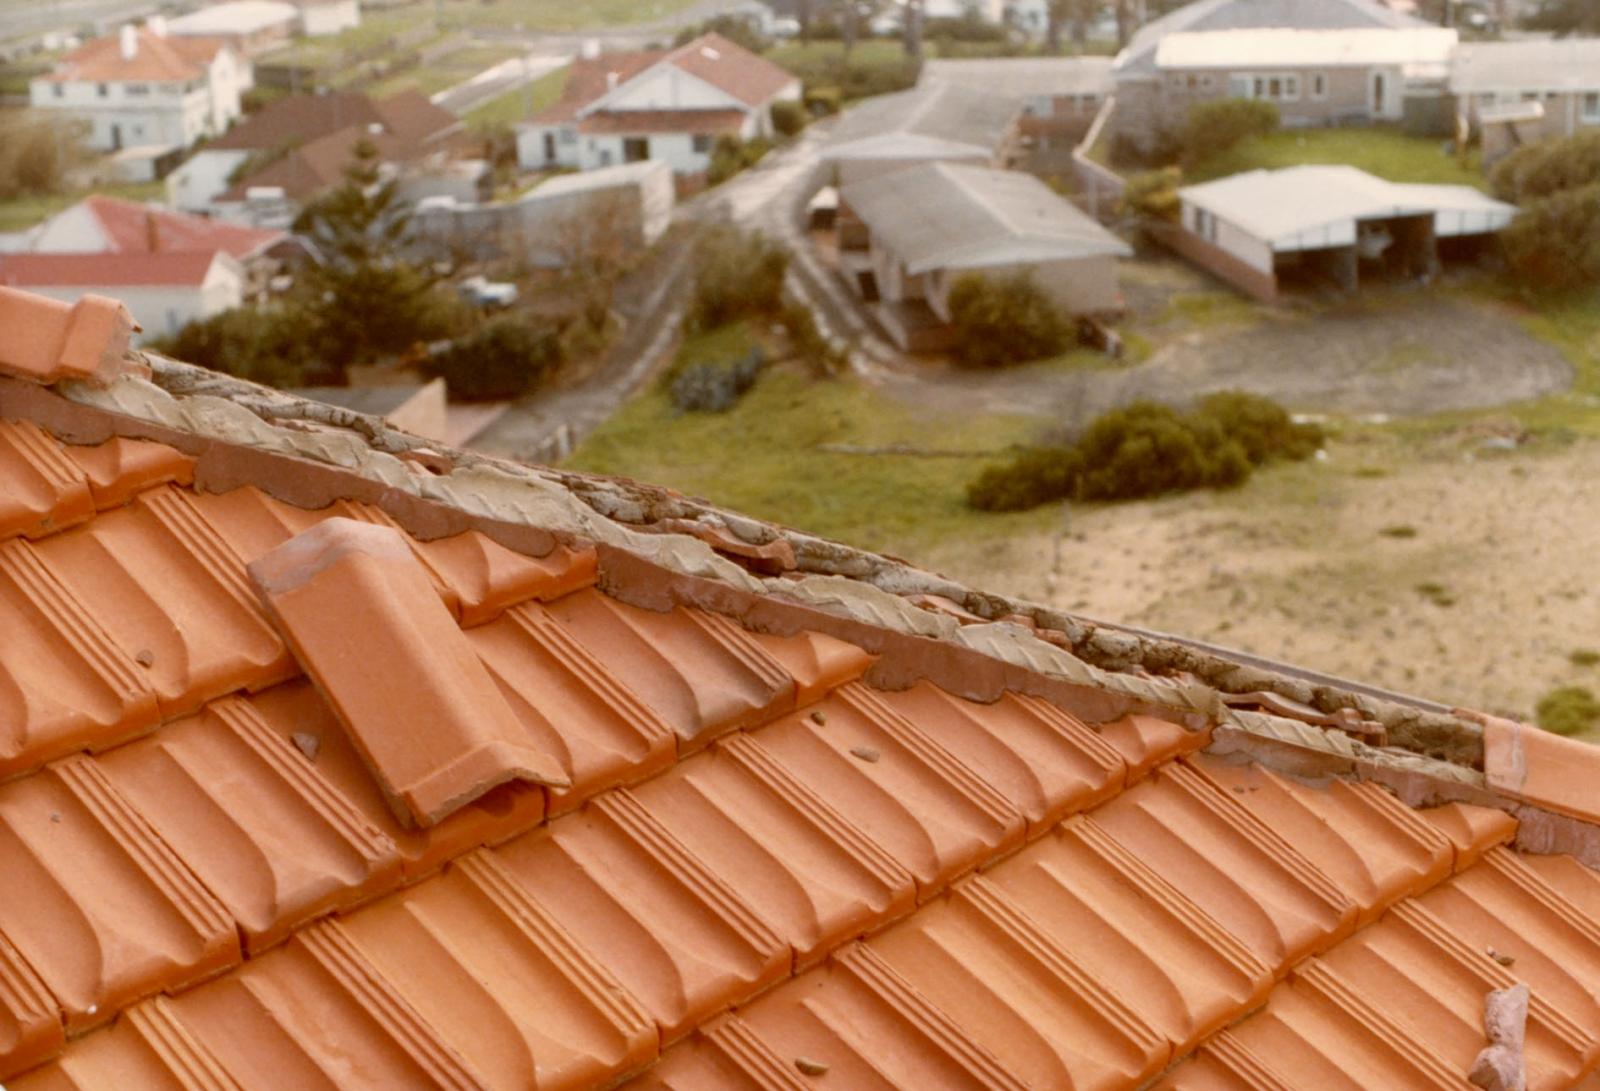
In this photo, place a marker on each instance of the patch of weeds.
(1436, 593)
(1583, 657)
(1370, 471)
(1398, 530)
(1568, 710)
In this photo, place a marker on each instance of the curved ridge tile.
(503, 983)
(1183, 973)
(96, 902)
(42, 490)
(297, 714)
(701, 673)
(1232, 865)
(1050, 1021)
(935, 816)
(674, 933)
(573, 704)
(1047, 763)
(251, 815)
(64, 685)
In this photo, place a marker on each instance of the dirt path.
(1456, 574)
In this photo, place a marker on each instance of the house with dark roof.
(265, 168)
(1151, 100)
(141, 88)
(670, 105)
(334, 757)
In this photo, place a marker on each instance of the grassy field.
(376, 27)
(519, 102)
(1385, 152)
(443, 72)
(782, 453)
(24, 212)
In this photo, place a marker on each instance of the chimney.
(611, 81)
(157, 25)
(152, 232)
(130, 42)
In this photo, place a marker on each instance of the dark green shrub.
(1261, 426)
(505, 359)
(1153, 193)
(1568, 710)
(1004, 321)
(822, 101)
(1554, 243)
(730, 155)
(1214, 127)
(1548, 167)
(1148, 449)
(1037, 475)
(809, 344)
(268, 345)
(737, 274)
(788, 118)
(714, 388)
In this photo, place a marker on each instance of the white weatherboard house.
(163, 291)
(928, 225)
(140, 88)
(1514, 92)
(669, 105)
(1326, 224)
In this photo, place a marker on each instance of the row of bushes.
(1554, 244)
(999, 321)
(1148, 449)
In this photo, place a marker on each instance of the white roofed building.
(1515, 92)
(1059, 96)
(938, 121)
(1315, 224)
(251, 27)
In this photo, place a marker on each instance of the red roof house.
(332, 758)
(100, 224)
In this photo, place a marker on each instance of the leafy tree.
(788, 118)
(366, 301)
(1214, 127)
(271, 345)
(37, 153)
(1554, 243)
(505, 359)
(1004, 321)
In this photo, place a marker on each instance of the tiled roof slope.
(799, 834)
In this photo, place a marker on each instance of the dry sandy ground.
(1479, 603)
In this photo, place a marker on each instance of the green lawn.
(376, 27)
(519, 103)
(1387, 153)
(794, 56)
(24, 212)
(764, 457)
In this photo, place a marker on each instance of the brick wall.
(1253, 282)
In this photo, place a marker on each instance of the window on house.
(58, 89)
(136, 88)
(567, 136)
(1319, 85)
(702, 143)
(1274, 87)
(1205, 225)
(635, 148)
(1591, 106)
(101, 89)
(1192, 83)
(1206, 82)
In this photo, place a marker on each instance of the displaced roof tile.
(702, 673)
(502, 982)
(96, 902)
(1025, 998)
(1472, 830)
(571, 705)
(672, 931)
(364, 622)
(1230, 863)
(298, 715)
(813, 877)
(64, 686)
(893, 781)
(1128, 926)
(254, 819)
(120, 468)
(41, 488)
(1047, 763)
(45, 340)
(1374, 848)
(174, 598)
(1531, 764)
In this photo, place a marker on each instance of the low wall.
(1217, 261)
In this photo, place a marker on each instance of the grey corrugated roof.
(946, 115)
(1139, 55)
(958, 216)
(1021, 77)
(1533, 65)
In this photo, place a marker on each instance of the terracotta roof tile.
(186, 268)
(1580, 885)
(133, 227)
(724, 1055)
(1472, 830)
(119, 468)
(1525, 762)
(42, 489)
(423, 711)
(156, 58)
(817, 662)
(46, 340)
(749, 77)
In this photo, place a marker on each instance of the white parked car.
(482, 292)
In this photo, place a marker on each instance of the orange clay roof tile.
(46, 340)
(358, 611)
(1543, 768)
(764, 871)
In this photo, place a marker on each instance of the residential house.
(337, 756)
(1515, 92)
(1315, 77)
(319, 18)
(299, 144)
(1059, 95)
(249, 27)
(164, 291)
(925, 227)
(140, 87)
(670, 105)
(1327, 225)
(938, 121)
(1143, 110)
